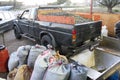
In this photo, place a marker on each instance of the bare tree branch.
(109, 3)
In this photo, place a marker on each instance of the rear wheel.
(46, 40)
(17, 34)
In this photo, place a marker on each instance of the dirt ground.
(12, 44)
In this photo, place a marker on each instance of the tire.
(117, 30)
(17, 34)
(118, 34)
(46, 40)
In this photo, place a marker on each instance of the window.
(2, 16)
(7, 15)
(26, 15)
(12, 15)
(32, 12)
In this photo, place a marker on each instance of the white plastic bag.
(13, 61)
(104, 31)
(34, 52)
(23, 52)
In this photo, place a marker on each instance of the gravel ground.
(12, 44)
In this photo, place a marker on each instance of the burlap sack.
(23, 73)
(41, 64)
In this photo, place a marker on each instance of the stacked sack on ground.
(38, 63)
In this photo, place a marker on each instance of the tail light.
(73, 36)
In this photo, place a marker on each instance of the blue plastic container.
(115, 76)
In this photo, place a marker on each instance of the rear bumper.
(70, 50)
(89, 45)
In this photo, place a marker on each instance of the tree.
(109, 4)
(68, 2)
(58, 2)
(61, 1)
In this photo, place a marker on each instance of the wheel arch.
(15, 26)
(51, 36)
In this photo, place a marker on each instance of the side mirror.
(26, 10)
(22, 14)
(0, 19)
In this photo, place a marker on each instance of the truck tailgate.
(87, 31)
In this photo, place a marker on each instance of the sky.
(28, 2)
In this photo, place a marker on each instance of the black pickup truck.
(60, 36)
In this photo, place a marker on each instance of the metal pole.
(3, 38)
(2, 35)
(14, 4)
(91, 8)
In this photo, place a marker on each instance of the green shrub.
(116, 10)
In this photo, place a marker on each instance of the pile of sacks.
(38, 63)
